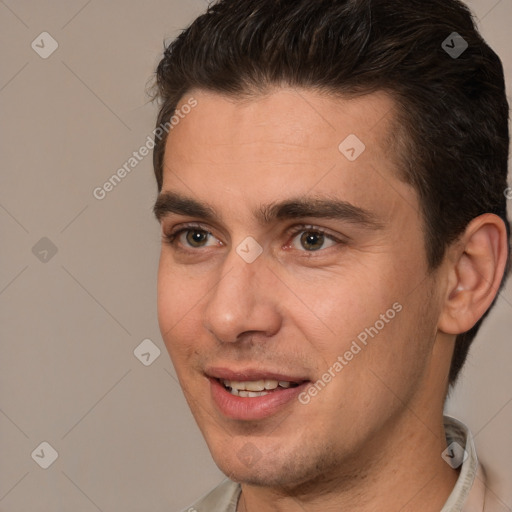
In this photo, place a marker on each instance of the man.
(331, 196)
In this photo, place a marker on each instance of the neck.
(401, 469)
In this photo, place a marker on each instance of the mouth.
(255, 388)
(253, 395)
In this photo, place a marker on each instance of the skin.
(372, 439)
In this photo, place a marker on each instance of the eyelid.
(189, 225)
(298, 228)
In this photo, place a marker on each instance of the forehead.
(284, 121)
(288, 142)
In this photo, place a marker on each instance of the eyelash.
(171, 238)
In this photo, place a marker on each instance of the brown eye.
(196, 237)
(312, 240)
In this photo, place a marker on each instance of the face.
(293, 294)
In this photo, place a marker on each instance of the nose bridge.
(240, 301)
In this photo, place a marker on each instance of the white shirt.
(470, 493)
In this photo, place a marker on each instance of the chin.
(284, 471)
(258, 477)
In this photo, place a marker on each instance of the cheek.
(335, 309)
(177, 303)
(372, 320)
(395, 352)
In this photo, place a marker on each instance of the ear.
(476, 265)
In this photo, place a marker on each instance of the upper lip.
(251, 374)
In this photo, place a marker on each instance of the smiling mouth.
(252, 389)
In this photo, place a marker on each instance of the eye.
(190, 236)
(312, 239)
(303, 238)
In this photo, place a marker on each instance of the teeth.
(271, 384)
(254, 388)
(249, 394)
(258, 385)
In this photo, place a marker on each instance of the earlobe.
(478, 263)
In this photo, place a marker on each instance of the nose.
(244, 301)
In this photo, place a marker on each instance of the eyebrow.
(293, 208)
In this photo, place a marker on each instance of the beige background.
(69, 325)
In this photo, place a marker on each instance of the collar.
(468, 495)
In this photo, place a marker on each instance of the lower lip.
(252, 408)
